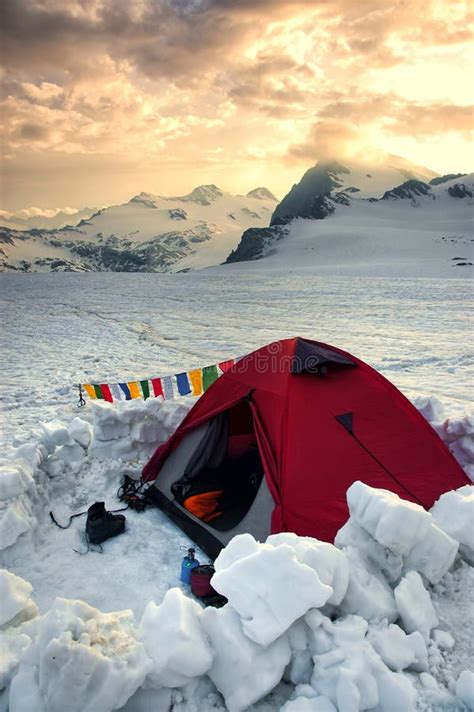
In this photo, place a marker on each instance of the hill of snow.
(342, 219)
(150, 233)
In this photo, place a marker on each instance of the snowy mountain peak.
(332, 181)
(203, 194)
(261, 194)
(147, 199)
(304, 199)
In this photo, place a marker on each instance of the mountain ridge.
(147, 233)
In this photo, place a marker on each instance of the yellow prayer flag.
(195, 378)
(134, 387)
(90, 390)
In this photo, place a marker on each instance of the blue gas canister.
(187, 565)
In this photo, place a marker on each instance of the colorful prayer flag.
(167, 383)
(182, 381)
(117, 392)
(157, 387)
(126, 390)
(195, 377)
(209, 375)
(90, 390)
(134, 389)
(145, 386)
(106, 394)
(225, 365)
(98, 391)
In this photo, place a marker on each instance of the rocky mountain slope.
(150, 233)
(346, 217)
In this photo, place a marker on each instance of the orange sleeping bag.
(205, 505)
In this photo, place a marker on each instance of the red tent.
(276, 441)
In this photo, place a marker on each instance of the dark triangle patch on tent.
(346, 419)
(312, 358)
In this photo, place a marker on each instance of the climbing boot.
(102, 525)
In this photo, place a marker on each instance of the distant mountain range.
(44, 219)
(150, 233)
(393, 218)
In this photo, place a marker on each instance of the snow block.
(368, 594)
(13, 646)
(242, 671)
(14, 521)
(393, 522)
(432, 555)
(15, 595)
(414, 605)
(465, 689)
(72, 455)
(329, 563)
(378, 556)
(239, 547)
(270, 589)
(398, 650)
(174, 640)
(430, 407)
(309, 704)
(55, 434)
(80, 431)
(11, 482)
(82, 660)
(355, 678)
(454, 514)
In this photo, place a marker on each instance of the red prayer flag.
(106, 392)
(225, 365)
(157, 387)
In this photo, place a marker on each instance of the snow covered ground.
(62, 329)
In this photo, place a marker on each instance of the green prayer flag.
(98, 391)
(145, 389)
(209, 375)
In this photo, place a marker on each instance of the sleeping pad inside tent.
(276, 441)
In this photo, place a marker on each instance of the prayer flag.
(209, 375)
(117, 393)
(167, 383)
(98, 392)
(134, 389)
(157, 387)
(182, 381)
(196, 381)
(126, 390)
(145, 389)
(89, 388)
(106, 394)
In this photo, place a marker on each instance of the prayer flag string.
(186, 383)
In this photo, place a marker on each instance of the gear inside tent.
(276, 441)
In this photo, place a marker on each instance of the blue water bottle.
(187, 565)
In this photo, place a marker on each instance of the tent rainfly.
(276, 441)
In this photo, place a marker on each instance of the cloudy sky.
(104, 98)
